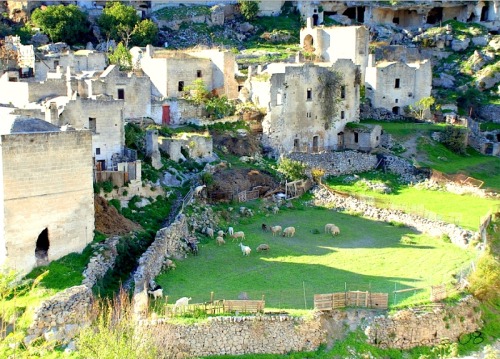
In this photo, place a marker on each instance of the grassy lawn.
(463, 210)
(403, 130)
(367, 255)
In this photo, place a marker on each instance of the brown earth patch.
(244, 179)
(108, 221)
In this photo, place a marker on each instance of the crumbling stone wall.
(278, 334)
(102, 260)
(409, 328)
(61, 317)
(337, 163)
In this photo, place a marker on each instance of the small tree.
(420, 108)
(118, 22)
(144, 33)
(249, 9)
(197, 92)
(292, 170)
(62, 23)
(122, 57)
(455, 138)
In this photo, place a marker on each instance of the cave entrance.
(42, 248)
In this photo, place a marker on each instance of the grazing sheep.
(276, 230)
(245, 249)
(328, 227)
(220, 240)
(209, 232)
(263, 247)
(158, 293)
(264, 227)
(198, 190)
(275, 210)
(230, 231)
(181, 304)
(335, 230)
(220, 233)
(289, 232)
(238, 235)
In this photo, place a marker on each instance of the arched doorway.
(395, 110)
(315, 147)
(315, 19)
(42, 248)
(308, 43)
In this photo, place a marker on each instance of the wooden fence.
(223, 306)
(351, 299)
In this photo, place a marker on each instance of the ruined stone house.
(46, 197)
(307, 104)
(329, 44)
(173, 72)
(362, 137)
(406, 14)
(397, 77)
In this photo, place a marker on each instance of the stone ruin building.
(396, 77)
(47, 200)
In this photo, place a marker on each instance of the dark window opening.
(355, 13)
(342, 92)
(97, 151)
(396, 83)
(240, 87)
(498, 137)
(309, 94)
(93, 124)
(395, 110)
(435, 15)
(42, 246)
(342, 115)
(484, 13)
(396, 101)
(356, 137)
(296, 145)
(56, 63)
(180, 86)
(395, 20)
(315, 19)
(121, 94)
(198, 73)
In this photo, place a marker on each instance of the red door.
(165, 115)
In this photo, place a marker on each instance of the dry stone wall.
(457, 235)
(276, 334)
(337, 163)
(102, 260)
(409, 328)
(61, 317)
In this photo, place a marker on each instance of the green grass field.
(367, 255)
(463, 210)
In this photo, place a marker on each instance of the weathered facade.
(307, 105)
(46, 200)
(197, 146)
(397, 78)
(172, 72)
(362, 137)
(329, 44)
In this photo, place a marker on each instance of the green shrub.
(455, 138)
(116, 203)
(485, 280)
(292, 170)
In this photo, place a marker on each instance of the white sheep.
(335, 230)
(238, 235)
(263, 247)
(275, 210)
(328, 227)
(230, 231)
(245, 249)
(276, 230)
(158, 293)
(181, 304)
(209, 232)
(220, 233)
(220, 240)
(289, 232)
(198, 190)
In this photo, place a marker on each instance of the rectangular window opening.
(309, 94)
(396, 83)
(198, 73)
(180, 86)
(93, 124)
(342, 92)
(121, 94)
(98, 151)
(356, 137)
(342, 115)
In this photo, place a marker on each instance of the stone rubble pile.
(457, 235)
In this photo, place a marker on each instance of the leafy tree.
(62, 23)
(249, 9)
(197, 92)
(454, 138)
(144, 33)
(293, 170)
(419, 109)
(118, 22)
(219, 107)
(122, 57)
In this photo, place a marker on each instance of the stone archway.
(42, 248)
(308, 43)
